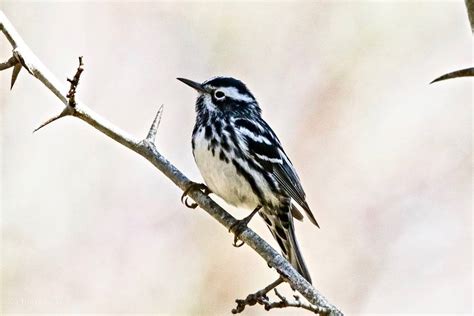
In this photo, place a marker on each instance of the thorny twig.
(261, 298)
(147, 149)
(257, 297)
(71, 95)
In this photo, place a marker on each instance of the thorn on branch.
(21, 60)
(9, 63)
(12, 62)
(71, 95)
(154, 126)
(15, 72)
(67, 111)
(468, 72)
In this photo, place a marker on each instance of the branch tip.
(71, 95)
(154, 126)
(468, 72)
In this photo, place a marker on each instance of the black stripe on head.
(230, 82)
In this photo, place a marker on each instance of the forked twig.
(261, 298)
(257, 297)
(71, 96)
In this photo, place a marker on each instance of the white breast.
(222, 177)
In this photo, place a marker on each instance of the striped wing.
(264, 146)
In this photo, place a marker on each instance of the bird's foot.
(240, 225)
(193, 186)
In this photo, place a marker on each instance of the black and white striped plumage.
(242, 160)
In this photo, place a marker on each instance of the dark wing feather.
(266, 148)
(286, 176)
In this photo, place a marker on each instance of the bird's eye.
(219, 95)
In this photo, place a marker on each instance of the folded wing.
(265, 147)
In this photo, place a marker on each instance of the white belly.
(222, 177)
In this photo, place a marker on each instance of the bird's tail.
(282, 228)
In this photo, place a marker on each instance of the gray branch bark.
(146, 148)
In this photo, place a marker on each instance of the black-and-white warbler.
(243, 162)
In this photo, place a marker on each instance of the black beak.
(195, 85)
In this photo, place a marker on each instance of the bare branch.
(149, 151)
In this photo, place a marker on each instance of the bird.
(243, 162)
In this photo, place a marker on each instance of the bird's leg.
(193, 186)
(239, 226)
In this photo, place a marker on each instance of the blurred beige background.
(386, 159)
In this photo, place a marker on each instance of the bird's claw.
(192, 205)
(192, 187)
(240, 225)
(237, 228)
(236, 242)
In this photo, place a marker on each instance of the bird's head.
(223, 95)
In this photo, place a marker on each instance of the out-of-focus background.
(90, 227)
